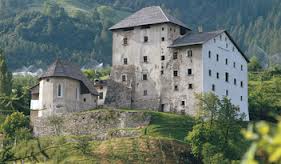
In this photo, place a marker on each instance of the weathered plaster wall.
(101, 124)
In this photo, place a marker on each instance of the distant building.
(164, 63)
(63, 88)
(101, 87)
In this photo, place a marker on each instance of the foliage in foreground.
(216, 137)
(266, 144)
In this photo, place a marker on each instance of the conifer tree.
(5, 77)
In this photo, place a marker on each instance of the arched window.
(60, 90)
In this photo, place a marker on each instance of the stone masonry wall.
(100, 124)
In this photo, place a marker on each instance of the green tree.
(254, 64)
(5, 76)
(216, 134)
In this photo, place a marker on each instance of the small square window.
(145, 92)
(162, 57)
(175, 73)
(162, 72)
(234, 65)
(125, 41)
(235, 81)
(84, 99)
(144, 77)
(210, 72)
(213, 87)
(190, 86)
(226, 92)
(163, 39)
(163, 28)
(183, 103)
(145, 59)
(101, 95)
(176, 88)
(189, 53)
(145, 39)
(123, 78)
(189, 72)
(125, 61)
(218, 75)
(175, 55)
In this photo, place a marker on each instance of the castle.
(158, 63)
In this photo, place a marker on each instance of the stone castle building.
(158, 63)
(63, 88)
(162, 63)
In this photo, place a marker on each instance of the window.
(210, 72)
(218, 57)
(145, 92)
(213, 87)
(233, 48)
(101, 95)
(77, 93)
(125, 41)
(175, 73)
(218, 75)
(162, 57)
(145, 39)
(189, 72)
(162, 107)
(235, 81)
(163, 28)
(210, 54)
(175, 55)
(163, 39)
(183, 103)
(176, 88)
(234, 65)
(190, 86)
(59, 90)
(123, 78)
(145, 59)
(241, 98)
(226, 76)
(84, 99)
(226, 45)
(162, 72)
(215, 40)
(226, 61)
(47, 80)
(125, 61)
(241, 84)
(189, 53)
(144, 77)
(241, 67)
(226, 92)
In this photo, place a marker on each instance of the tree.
(216, 133)
(254, 64)
(5, 76)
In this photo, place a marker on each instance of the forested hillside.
(34, 32)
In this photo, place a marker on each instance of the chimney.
(200, 28)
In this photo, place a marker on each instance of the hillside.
(162, 141)
(34, 32)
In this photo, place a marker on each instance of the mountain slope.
(37, 31)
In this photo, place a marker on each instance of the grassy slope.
(162, 142)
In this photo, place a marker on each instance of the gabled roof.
(148, 16)
(199, 38)
(66, 69)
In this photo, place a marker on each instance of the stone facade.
(165, 64)
(100, 124)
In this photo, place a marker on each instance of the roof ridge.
(163, 13)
